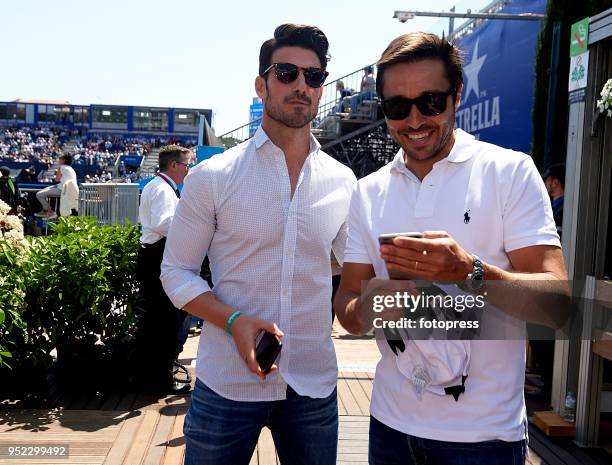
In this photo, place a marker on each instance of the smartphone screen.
(268, 346)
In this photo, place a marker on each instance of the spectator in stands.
(344, 93)
(269, 234)
(368, 83)
(160, 321)
(63, 174)
(367, 90)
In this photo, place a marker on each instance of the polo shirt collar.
(260, 138)
(462, 151)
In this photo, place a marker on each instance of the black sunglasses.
(428, 103)
(288, 72)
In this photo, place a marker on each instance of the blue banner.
(499, 78)
(131, 160)
(255, 113)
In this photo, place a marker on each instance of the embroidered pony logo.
(466, 217)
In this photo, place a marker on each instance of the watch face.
(477, 280)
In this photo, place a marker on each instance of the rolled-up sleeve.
(189, 238)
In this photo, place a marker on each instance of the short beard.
(291, 120)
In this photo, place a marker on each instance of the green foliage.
(82, 280)
(12, 293)
(566, 12)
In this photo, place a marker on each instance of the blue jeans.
(391, 447)
(219, 431)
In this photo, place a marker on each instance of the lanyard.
(176, 191)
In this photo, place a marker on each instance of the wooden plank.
(143, 437)
(127, 401)
(175, 452)
(265, 448)
(111, 401)
(551, 424)
(122, 444)
(366, 384)
(603, 349)
(161, 436)
(350, 403)
(359, 394)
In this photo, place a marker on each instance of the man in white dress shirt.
(268, 212)
(486, 217)
(159, 321)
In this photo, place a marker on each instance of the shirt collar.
(169, 179)
(260, 138)
(461, 151)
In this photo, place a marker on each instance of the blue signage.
(499, 77)
(255, 114)
(131, 160)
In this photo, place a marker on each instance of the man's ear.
(458, 96)
(260, 88)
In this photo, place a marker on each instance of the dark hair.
(556, 171)
(171, 153)
(67, 159)
(294, 35)
(4, 171)
(417, 46)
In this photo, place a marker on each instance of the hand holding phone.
(267, 350)
(387, 239)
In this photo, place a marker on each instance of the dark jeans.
(220, 431)
(391, 447)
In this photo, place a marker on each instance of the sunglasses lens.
(396, 108)
(432, 103)
(314, 77)
(429, 104)
(286, 72)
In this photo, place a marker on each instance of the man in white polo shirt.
(485, 216)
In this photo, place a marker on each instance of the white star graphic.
(471, 71)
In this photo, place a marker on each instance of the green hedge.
(76, 286)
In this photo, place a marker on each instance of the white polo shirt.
(491, 201)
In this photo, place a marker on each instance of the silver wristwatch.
(475, 280)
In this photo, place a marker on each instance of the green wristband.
(230, 320)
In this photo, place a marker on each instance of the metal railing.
(469, 26)
(110, 203)
(330, 109)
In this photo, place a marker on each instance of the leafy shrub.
(82, 281)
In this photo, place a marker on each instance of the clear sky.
(184, 53)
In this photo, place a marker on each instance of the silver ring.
(424, 252)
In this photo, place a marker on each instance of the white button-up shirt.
(270, 258)
(158, 202)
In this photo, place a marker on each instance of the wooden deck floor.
(149, 432)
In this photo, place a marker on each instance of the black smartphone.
(388, 238)
(267, 349)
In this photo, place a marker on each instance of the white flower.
(4, 208)
(11, 222)
(16, 240)
(604, 105)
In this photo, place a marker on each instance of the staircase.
(147, 169)
(356, 138)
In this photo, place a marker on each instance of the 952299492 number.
(33, 450)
